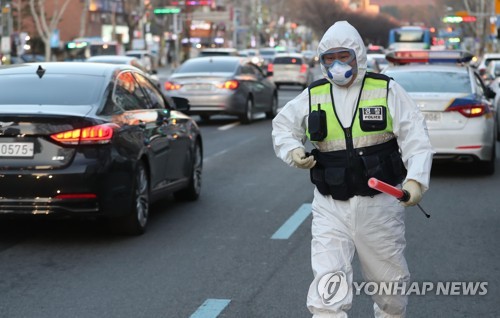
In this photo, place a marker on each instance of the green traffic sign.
(168, 10)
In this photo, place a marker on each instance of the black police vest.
(345, 173)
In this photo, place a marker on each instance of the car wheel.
(247, 117)
(192, 191)
(205, 118)
(274, 107)
(136, 219)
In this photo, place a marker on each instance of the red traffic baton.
(401, 195)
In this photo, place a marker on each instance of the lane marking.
(229, 126)
(211, 308)
(292, 224)
(227, 149)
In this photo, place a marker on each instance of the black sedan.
(93, 140)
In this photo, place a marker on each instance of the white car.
(291, 69)
(456, 104)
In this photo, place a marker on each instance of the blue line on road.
(287, 229)
(211, 308)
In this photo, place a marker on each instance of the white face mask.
(340, 73)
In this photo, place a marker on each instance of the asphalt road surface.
(243, 249)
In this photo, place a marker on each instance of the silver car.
(456, 104)
(291, 69)
(228, 85)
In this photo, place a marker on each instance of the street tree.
(134, 12)
(319, 15)
(83, 18)
(44, 24)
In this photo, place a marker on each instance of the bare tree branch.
(45, 29)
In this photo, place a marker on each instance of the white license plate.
(16, 149)
(198, 87)
(432, 116)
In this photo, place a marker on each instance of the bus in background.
(81, 49)
(409, 38)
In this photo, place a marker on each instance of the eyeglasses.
(342, 55)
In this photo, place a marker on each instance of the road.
(233, 253)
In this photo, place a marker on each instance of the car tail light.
(270, 67)
(231, 84)
(171, 86)
(303, 68)
(471, 110)
(100, 134)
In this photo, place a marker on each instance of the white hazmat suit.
(371, 226)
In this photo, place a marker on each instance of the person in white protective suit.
(360, 125)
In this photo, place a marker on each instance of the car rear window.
(217, 53)
(267, 52)
(433, 82)
(208, 65)
(55, 89)
(287, 60)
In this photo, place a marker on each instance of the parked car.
(224, 85)
(291, 69)
(93, 140)
(456, 104)
(148, 59)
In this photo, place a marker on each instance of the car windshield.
(433, 82)
(56, 89)
(208, 66)
(268, 52)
